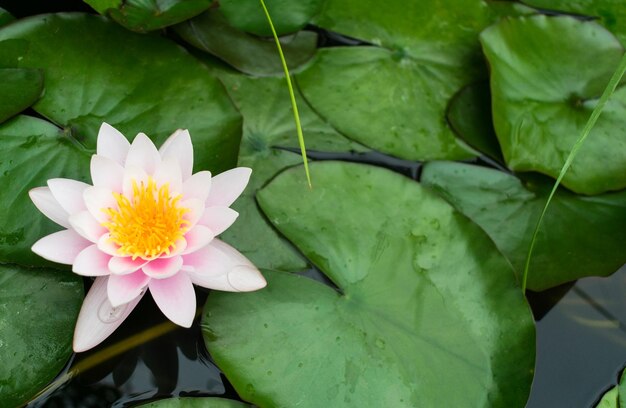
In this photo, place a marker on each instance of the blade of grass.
(593, 118)
(292, 96)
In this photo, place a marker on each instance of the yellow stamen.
(149, 224)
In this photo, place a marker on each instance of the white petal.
(198, 186)
(107, 246)
(87, 226)
(62, 247)
(143, 154)
(98, 318)
(69, 193)
(179, 145)
(168, 172)
(91, 262)
(197, 238)
(123, 265)
(125, 288)
(162, 268)
(175, 297)
(106, 173)
(133, 174)
(44, 201)
(196, 209)
(227, 186)
(97, 199)
(218, 219)
(112, 144)
(220, 266)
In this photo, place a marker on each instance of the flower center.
(149, 224)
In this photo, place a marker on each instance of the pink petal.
(175, 297)
(106, 173)
(97, 199)
(62, 247)
(133, 174)
(44, 201)
(123, 265)
(179, 247)
(162, 268)
(179, 145)
(196, 209)
(220, 266)
(227, 186)
(91, 262)
(168, 172)
(107, 246)
(87, 226)
(218, 219)
(68, 193)
(198, 237)
(198, 186)
(98, 318)
(143, 154)
(112, 144)
(125, 288)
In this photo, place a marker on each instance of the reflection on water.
(175, 363)
(581, 343)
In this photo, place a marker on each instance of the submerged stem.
(593, 118)
(292, 96)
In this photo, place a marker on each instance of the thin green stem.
(292, 96)
(608, 91)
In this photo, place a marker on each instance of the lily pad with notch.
(580, 236)
(547, 74)
(392, 96)
(424, 301)
(150, 85)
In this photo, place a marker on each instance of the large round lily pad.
(32, 151)
(141, 15)
(393, 97)
(616, 396)
(427, 311)
(97, 71)
(546, 76)
(580, 236)
(38, 309)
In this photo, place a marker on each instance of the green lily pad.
(469, 115)
(508, 210)
(149, 85)
(427, 311)
(19, 88)
(546, 76)
(616, 396)
(32, 151)
(287, 16)
(142, 16)
(393, 98)
(211, 33)
(610, 13)
(269, 126)
(38, 309)
(207, 402)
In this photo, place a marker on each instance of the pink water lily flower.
(147, 223)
